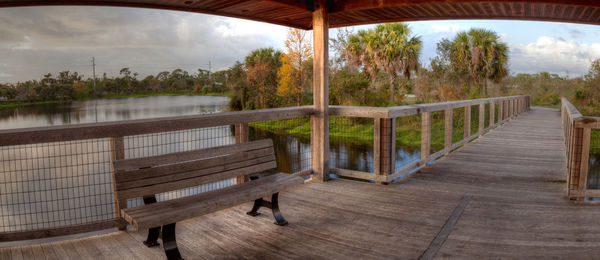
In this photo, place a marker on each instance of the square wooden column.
(481, 117)
(448, 125)
(384, 149)
(319, 121)
(467, 131)
(425, 134)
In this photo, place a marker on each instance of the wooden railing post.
(481, 117)
(448, 114)
(117, 152)
(467, 121)
(425, 134)
(384, 150)
(585, 159)
(241, 136)
(492, 113)
(319, 140)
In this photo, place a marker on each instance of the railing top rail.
(398, 111)
(579, 120)
(35, 135)
(570, 108)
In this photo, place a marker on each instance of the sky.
(39, 40)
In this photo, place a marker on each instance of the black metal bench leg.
(170, 243)
(257, 204)
(153, 233)
(279, 220)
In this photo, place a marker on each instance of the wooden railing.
(108, 142)
(577, 130)
(385, 131)
(73, 138)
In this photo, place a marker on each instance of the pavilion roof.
(298, 13)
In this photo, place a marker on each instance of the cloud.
(38, 40)
(553, 55)
(445, 28)
(4, 75)
(576, 34)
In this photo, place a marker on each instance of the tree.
(481, 54)
(291, 75)
(261, 69)
(390, 47)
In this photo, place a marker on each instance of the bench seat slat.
(186, 183)
(176, 210)
(195, 172)
(190, 155)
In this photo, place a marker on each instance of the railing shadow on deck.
(57, 180)
(578, 131)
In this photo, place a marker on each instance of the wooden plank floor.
(501, 196)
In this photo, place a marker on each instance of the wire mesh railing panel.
(55, 184)
(139, 146)
(474, 119)
(437, 131)
(291, 139)
(458, 125)
(486, 123)
(351, 143)
(593, 181)
(408, 140)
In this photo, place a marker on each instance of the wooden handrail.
(400, 111)
(35, 135)
(577, 130)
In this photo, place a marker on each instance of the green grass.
(15, 104)
(360, 131)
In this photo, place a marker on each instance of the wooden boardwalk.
(501, 196)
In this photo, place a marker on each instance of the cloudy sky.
(38, 40)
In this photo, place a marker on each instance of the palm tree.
(481, 54)
(389, 47)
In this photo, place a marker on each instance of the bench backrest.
(152, 175)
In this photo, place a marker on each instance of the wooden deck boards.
(514, 177)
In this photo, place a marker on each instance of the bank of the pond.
(360, 131)
(15, 104)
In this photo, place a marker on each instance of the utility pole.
(94, 70)
(209, 81)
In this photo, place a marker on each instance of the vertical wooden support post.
(500, 111)
(467, 121)
(319, 141)
(384, 157)
(117, 152)
(481, 117)
(448, 127)
(492, 113)
(425, 134)
(510, 109)
(585, 159)
(241, 136)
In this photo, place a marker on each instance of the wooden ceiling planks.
(298, 13)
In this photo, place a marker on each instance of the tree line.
(69, 85)
(371, 67)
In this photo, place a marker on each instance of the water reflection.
(104, 110)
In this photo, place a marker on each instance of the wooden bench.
(146, 177)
